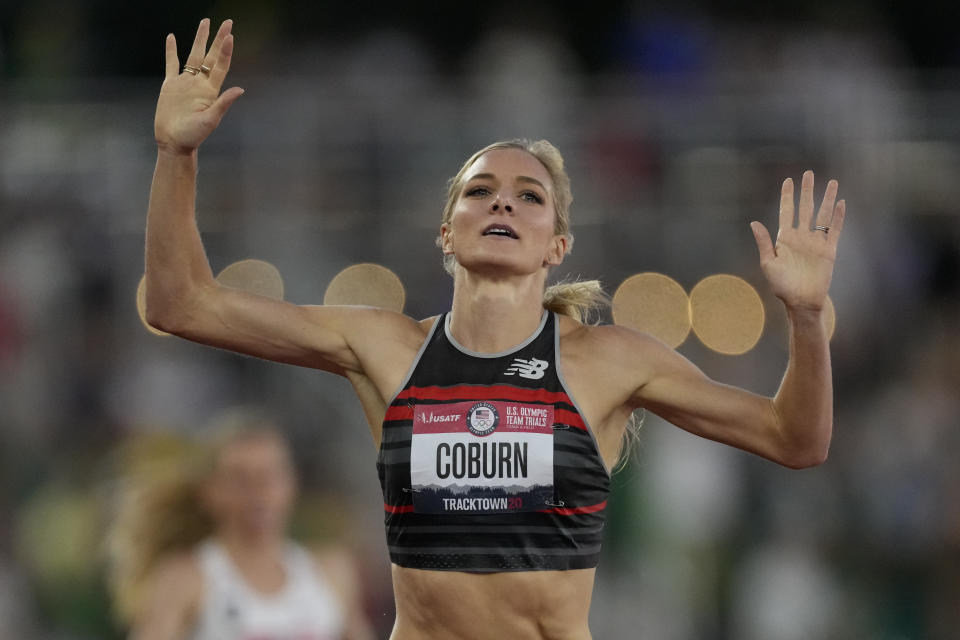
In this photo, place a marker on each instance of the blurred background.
(678, 122)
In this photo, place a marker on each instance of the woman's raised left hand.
(800, 265)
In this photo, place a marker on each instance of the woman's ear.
(557, 250)
(446, 239)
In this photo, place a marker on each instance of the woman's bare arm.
(171, 602)
(182, 296)
(794, 427)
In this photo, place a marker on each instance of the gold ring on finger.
(205, 70)
(191, 70)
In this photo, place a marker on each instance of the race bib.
(481, 457)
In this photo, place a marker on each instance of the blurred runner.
(199, 548)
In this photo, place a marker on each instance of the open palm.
(190, 105)
(800, 266)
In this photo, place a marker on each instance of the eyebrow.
(490, 176)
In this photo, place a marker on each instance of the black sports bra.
(486, 463)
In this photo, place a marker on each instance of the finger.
(219, 108)
(195, 59)
(213, 54)
(173, 62)
(764, 243)
(218, 72)
(805, 212)
(786, 205)
(827, 206)
(836, 223)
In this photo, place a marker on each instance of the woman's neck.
(493, 315)
(259, 561)
(255, 549)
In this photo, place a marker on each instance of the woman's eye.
(532, 196)
(478, 191)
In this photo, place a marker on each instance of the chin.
(265, 530)
(498, 264)
(263, 524)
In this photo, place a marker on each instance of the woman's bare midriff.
(528, 605)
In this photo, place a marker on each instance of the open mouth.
(502, 230)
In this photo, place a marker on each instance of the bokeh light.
(653, 303)
(366, 284)
(727, 314)
(142, 307)
(255, 276)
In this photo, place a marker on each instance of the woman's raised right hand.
(190, 105)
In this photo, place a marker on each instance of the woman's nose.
(498, 203)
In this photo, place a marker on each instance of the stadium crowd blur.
(678, 126)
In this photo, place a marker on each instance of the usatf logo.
(532, 368)
(482, 419)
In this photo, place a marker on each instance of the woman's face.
(503, 221)
(252, 487)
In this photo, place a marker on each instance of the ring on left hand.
(820, 227)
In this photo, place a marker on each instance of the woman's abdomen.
(535, 605)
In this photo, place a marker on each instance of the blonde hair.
(159, 508)
(579, 299)
(630, 439)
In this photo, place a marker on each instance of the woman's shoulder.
(388, 324)
(612, 348)
(174, 588)
(376, 337)
(417, 331)
(427, 323)
(610, 362)
(178, 570)
(604, 337)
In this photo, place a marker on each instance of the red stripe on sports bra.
(561, 416)
(563, 511)
(404, 412)
(482, 392)
(403, 508)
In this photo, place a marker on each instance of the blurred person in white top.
(199, 549)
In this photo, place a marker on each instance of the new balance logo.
(532, 368)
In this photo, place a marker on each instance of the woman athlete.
(199, 548)
(496, 423)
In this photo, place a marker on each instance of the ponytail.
(582, 300)
(631, 436)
